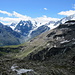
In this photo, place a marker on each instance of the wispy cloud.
(5, 12)
(45, 9)
(18, 17)
(21, 16)
(8, 20)
(73, 6)
(67, 13)
(44, 19)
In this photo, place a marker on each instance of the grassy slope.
(36, 44)
(22, 50)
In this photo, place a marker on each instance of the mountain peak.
(24, 27)
(1, 24)
(63, 20)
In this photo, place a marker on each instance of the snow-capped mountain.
(27, 28)
(1, 24)
(31, 28)
(51, 24)
(13, 25)
(9, 36)
(63, 20)
(39, 30)
(24, 27)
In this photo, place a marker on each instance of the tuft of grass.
(14, 46)
(28, 51)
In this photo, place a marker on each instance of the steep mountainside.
(59, 40)
(30, 28)
(24, 27)
(39, 30)
(8, 36)
(58, 37)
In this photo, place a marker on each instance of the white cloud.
(67, 13)
(17, 14)
(45, 9)
(23, 17)
(5, 12)
(17, 17)
(7, 20)
(73, 6)
(44, 19)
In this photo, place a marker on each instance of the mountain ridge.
(8, 36)
(51, 24)
(30, 29)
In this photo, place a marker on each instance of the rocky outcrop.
(60, 40)
(46, 53)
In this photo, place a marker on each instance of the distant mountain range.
(26, 27)
(8, 36)
(63, 20)
(24, 30)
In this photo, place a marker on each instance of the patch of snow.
(13, 27)
(28, 25)
(52, 26)
(20, 71)
(64, 41)
(25, 34)
(17, 30)
(48, 44)
(13, 67)
(29, 35)
(57, 38)
(24, 24)
(20, 24)
(64, 20)
(55, 46)
(63, 37)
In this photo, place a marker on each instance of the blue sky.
(36, 8)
